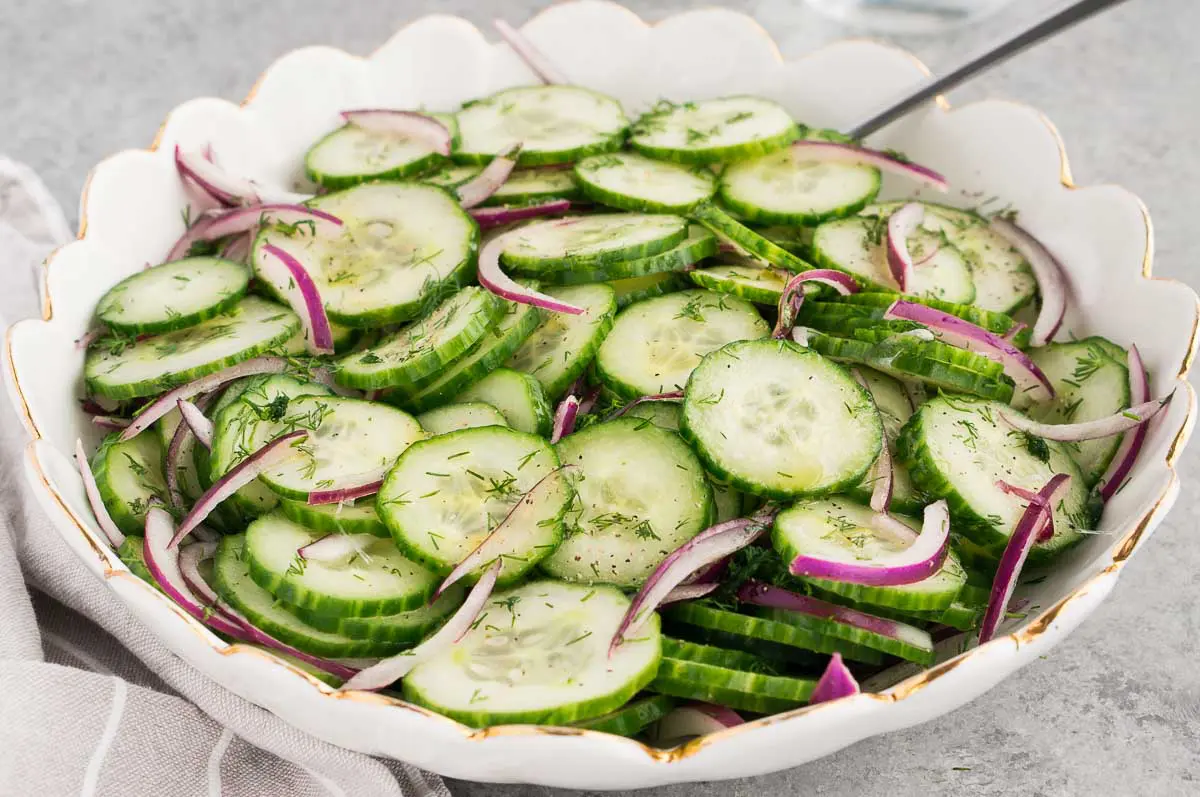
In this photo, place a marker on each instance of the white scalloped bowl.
(131, 212)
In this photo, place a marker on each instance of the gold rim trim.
(895, 694)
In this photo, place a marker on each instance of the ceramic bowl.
(131, 215)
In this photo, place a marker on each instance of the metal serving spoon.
(1059, 21)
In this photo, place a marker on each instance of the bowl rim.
(1123, 549)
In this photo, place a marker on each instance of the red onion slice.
(335, 547)
(495, 280)
(503, 214)
(175, 448)
(1017, 550)
(292, 280)
(674, 395)
(900, 227)
(1046, 529)
(487, 182)
(222, 186)
(491, 548)
(1121, 422)
(1131, 444)
(916, 563)
(110, 422)
(169, 400)
(694, 720)
(1051, 279)
(344, 494)
(411, 124)
(1014, 330)
(836, 152)
(545, 70)
(92, 490)
(91, 336)
(196, 420)
(190, 557)
(710, 545)
(564, 418)
(792, 298)
(689, 592)
(757, 593)
(238, 477)
(240, 221)
(396, 667)
(957, 332)
(238, 248)
(836, 682)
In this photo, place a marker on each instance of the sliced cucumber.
(779, 420)
(713, 130)
(344, 339)
(641, 493)
(858, 246)
(455, 417)
(352, 154)
(232, 581)
(130, 477)
(895, 407)
(635, 289)
(405, 628)
(905, 641)
(752, 283)
(746, 691)
(590, 241)
(350, 442)
(959, 448)
(634, 182)
(531, 186)
(664, 414)
(173, 296)
(401, 249)
(559, 351)
(186, 472)
(148, 367)
(699, 244)
(377, 581)
(747, 240)
(873, 304)
(446, 494)
(498, 345)
(452, 175)
(132, 552)
(784, 187)
(655, 344)
(415, 355)
(797, 240)
(539, 654)
(553, 124)
(519, 397)
(1088, 384)
(727, 502)
(717, 657)
(347, 518)
(632, 718)
(842, 531)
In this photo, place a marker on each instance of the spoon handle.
(1073, 13)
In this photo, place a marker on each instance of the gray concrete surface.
(1113, 711)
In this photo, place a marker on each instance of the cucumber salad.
(544, 411)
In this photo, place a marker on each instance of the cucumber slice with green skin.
(752, 283)
(539, 654)
(498, 345)
(774, 641)
(1088, 385)
(640, 494)
(132, 553)
(520, 398)
(991, 320)
(186, 472)
(352, 154)
(858, 246)
(446, 494)
(727, 502)
(344, 339)
(910, 642)
(553, 124)
(839, 530)
(711, 131)
(531, 186)
(348, 518)
(173, 296)
(559, 351)
(129, 475)
(958, 448)
(377, 582)
(415, 355)
(654, 345)
(635, 289)
(784, 187)
(590, 241)
(887, 342)
(904, 363)
(895, 408)
(350, 442)
(664, 414)
(633, 717)
(699, 244)
(401, 249)
(452, 176)
(797, 240)
(148, 367)
(746, 691)
(778, 420)
(1003, 279)
(717, 657)
(232, 581)
(456, 417)
(636, 183)
(1114, 351)
(395, 630)
(751, 242)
